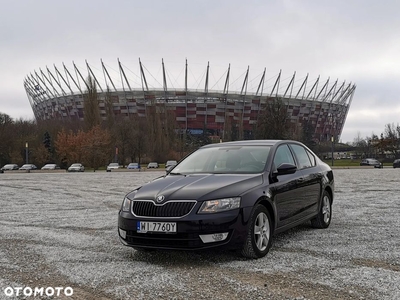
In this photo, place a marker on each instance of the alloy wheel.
(261, 231)
(326, 209)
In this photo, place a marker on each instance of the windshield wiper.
(174, 173)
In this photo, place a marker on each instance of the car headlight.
(214, 206)
(126, 204)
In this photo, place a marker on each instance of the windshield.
(225, 160)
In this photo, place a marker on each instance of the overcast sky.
(353, 41)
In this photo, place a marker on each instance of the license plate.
(161, 227)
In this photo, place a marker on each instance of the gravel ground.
(59, 230)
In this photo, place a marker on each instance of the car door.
(285, 188)
(310, 184)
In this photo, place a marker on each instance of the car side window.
(302, 156)
(283, 155)
(312, 158)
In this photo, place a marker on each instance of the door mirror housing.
(284, 169)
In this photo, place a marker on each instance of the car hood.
(197, 186)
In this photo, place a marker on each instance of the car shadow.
(183, 258)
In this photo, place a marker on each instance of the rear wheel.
(259, 233)
(323, 219)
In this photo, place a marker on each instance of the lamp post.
(26, 152)
(332, 140)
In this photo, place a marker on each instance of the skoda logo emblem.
(160, 198)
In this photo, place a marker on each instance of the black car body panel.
(291, 197)
(198, 186)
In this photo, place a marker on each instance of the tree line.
(386, 145)
(95, 142)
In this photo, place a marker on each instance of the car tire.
(259, 233)
(323, 219)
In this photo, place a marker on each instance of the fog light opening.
(215, 237)
(122, 233)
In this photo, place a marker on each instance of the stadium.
(198, 102)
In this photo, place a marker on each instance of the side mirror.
(285, 168)
(168, 169)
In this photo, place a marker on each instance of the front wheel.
(323, 219)
(259, 233)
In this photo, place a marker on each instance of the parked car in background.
(171, 163)
(371, 162)
(396, 163)
(133, 166)
(10, 167)
(235, 195)
(28, 167)
(76, 167)
(113, 166)
(152, 165)
(50, 167)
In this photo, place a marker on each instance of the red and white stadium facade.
(59, 94)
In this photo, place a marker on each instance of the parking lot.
(60, 230)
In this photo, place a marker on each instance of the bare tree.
(274, 121)
(6, 138)
(91, 105)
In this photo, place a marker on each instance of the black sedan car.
(235, 195)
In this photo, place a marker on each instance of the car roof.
(248, 143)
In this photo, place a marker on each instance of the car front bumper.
(188, 232)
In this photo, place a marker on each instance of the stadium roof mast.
(143, 77)
(165, 87)
(186, 97)
(70, 76)
(94, 77)
(260, 86)
(66, 82)
(30, 91)
(290, 85)
(64, 95)
(39, 80)
(54, 90)
(350, 94)
(83, 79)
(225, 93)
(276, 84)
(244, 87)
(206, 96)
(105, 72)
(226, 86)
(122, 74)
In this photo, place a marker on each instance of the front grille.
(170, 209)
